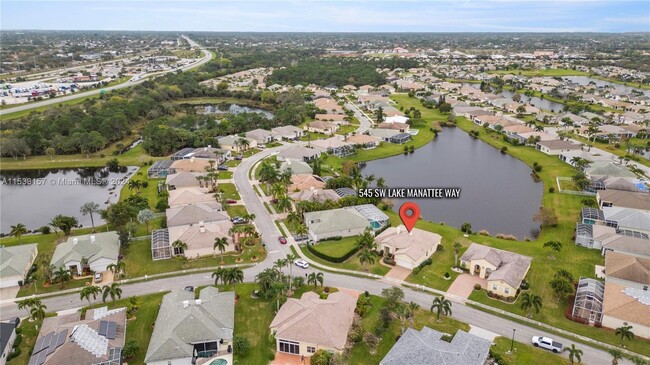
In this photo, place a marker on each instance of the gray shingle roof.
(14, 259)
(426, 347)
(106, 245)
(178, 327)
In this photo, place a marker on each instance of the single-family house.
(192, 195)
(628, 270)
(15, 264)
(503, 270)
(334, 146)
(409, 249)
(315, 195)
(188, 165)
(188, 329)
(402, 127)
(623, 199)
(194, 213)
(556, 147)
(98, 338)
(296, 167)
(609, 169)
(364, 141)
(7, 338)
(344, 222)
(306, 325)
(236, 143)
(319, 126)
(428, 347)
(288, 132)
(304, 182)
(261, 136)
(94, 251)
(626, 306)
(183, 179)
(199, 238)
(298, 153)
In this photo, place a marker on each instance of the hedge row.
(329, 258)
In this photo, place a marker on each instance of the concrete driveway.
(9, 293)
(398, 273)
(464, 285)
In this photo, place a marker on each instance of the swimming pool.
(219, 362)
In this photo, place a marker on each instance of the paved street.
(206, 58)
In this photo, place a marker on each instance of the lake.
(585, 80)
(220, 109)
(34, 197)
(498, 193)
(540, 103)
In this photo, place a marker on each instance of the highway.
(207, 56)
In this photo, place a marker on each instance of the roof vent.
(192, 159)
(201, 224)
(186, 303)
(398, 229)
(198, 302)
(202, 229)
(92, 239)
(209, 146)
(75, 241)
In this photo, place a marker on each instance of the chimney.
(75, 241)
(198, 302)
(92, 239)
(186, 303)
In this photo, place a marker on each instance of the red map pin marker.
(409, 212)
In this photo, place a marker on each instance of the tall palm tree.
(442, 306)
(37, 312)
(279, 264)
(17, 231)
(233, 276)
(90, 208)
(574, 353)
(624, 332)
(530, 302)
(89, 291)
(62, 275)
(315, 278)
(277, 291)
(135, 185)
(413, 306)
(366, 256)
(120, 268)
(219, 274)
(555, 246)
(278, 190)
(616, 355)
(457, 248)
(284, 203)
(291, 258)
(302, 230)
(220, 243)
(266, 278)
(28, 303)
(294, 217)
(381, 182)
(114, 291)
(179, 246)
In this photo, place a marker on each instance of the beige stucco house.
(408, 249)
(503, 270)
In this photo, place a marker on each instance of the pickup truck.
(547, 343)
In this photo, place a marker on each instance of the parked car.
(231, 201)
(547, 343)
(239, 157)
(302, 263)
(238, 220)
(282, 240)
(261, 146)
(99, 277)
(222, 168)
(189, 288)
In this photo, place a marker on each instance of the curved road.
(206, 58)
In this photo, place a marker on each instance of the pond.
(34, 197)
(220, 109)
(540, 103)
(585, 80)
(498, 193)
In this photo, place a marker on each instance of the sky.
(330, 16)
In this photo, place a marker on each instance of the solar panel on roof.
(112, 330)
(103, 328)
(32, 359)
(39, 345)
(41, 358)
(61, 339)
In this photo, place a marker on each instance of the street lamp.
(512, 343)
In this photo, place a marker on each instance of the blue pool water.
(219, 362)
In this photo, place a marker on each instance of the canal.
(498, 193)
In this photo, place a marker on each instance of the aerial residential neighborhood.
(325, 183)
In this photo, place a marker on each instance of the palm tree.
(302, 230)
(62, 275)
(266, 278)
(284, 203)
(277, 291)
(624, 332)
(279, 264)
(294, 218)
(17, 231)
(120, 268)
(403, 313)
(37, 312)
(221, 243)
(638, 361)
(616, 355)
(89, 291)
(442, 306)
(457, 247)
(179, 247)
(291, 258)
(28, 303)
(413, 306)
(574, 353)
(90, 208)
(315, 278)
(219, 274)
(233, 276)
(135, 184)
(530, 302)
(381, 182)
(555, 246)
(114, 291)
(366, 256)
(278, 190)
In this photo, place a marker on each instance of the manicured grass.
(350, 264)
(29, 332)
(229, 190)
(138, 261)
(347, 129)
(337, 248)
(134, 157)
(225, 175)
(250, 152)
(542, 72)
(610, 147)
(525, 354)
(231, 163)
(236, 210)
(150, 192)
(360, 353)
(252, 319)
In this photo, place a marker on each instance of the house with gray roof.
(344, 222)
(188, 329)
(609, 169)
(427, 347)
(98, 249)
(233, 143)
(195, 213)
(288, 132)
(262, 136)
(298, 153)
(15, 262)
(297, 167)
(183, 179)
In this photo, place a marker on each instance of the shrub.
(477, 286)
(145, 184)
(551, 190)
(14, 354)
(18, 339)
(416, 270)
(241, 345)
(389, 261)
(504, 149)
(162, 205)
(484, 232)
(130, 349)
(271, 356)
(45, 230)
(320, 357)
(329, 258)
(524, 285)
(538, 168)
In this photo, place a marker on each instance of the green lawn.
(337, 248)
(236, 210)
(610, 147)
(150, 192)
(229, 190)
(224, 175)
(525, 354)
(347, 129)
(231, 163)
(350, 264)
(252, 319)
(542, 72)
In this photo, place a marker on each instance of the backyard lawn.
(252, 319)
(337, 248)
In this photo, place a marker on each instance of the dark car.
(231, 201)
(222, 168)
(189, 288)
(282, 240)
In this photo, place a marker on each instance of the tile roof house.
(15, 262)
(232, 143)
(364, 141)
(319, 126)
(597, 169)
(628, 270)
(503, 270)
(296, 167)
(188, 328)
(192, 195)
(189, 165)
(627, 306)
(194, 213)
(303, 326)
(183, 180)
(7, 339)
(335, 222)
(315, 195)
(427, 347)
(261, 136)
(304, 182)
(409, 249)
(200, 237)
(298, 153)
(100, 249)
(288, 132)
(68, 339)
(625, 199)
